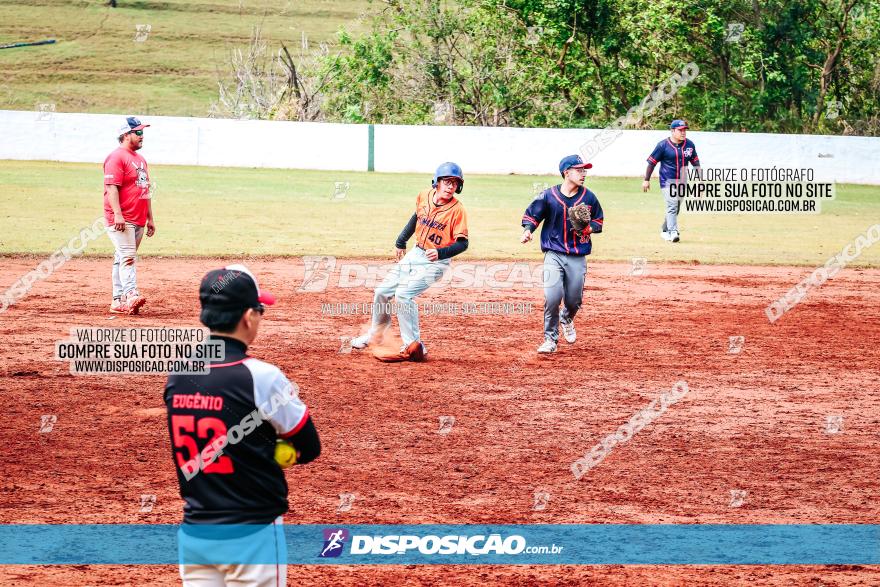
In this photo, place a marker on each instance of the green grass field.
(235, 212)
(96, 65)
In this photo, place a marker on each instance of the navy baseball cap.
(678, 124)
(233, 288)
(573, 161)
(131, 124)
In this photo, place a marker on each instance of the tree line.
(807, 66)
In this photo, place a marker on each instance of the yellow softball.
(285, 454)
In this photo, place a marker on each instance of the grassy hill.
(98, 66)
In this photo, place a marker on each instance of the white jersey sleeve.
(277, 398)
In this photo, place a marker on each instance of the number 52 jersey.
(223, 428)
(439, 226)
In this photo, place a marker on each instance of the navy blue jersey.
(673, 158)
(551, 207)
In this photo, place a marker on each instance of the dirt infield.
(754, 421)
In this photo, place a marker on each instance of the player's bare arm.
(113, 196)
(151, 226)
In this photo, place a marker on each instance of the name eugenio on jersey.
(197, 401)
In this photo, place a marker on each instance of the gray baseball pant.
(673, 205)
(563, 282)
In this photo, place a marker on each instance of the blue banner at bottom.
(564, 544)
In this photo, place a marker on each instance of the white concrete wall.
(538, 151)
(186, 141)
(203, 141)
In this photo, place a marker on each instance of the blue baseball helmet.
(449, 169)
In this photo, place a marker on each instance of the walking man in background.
(127, 212)
(673, 155)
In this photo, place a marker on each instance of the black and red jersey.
(223, 428)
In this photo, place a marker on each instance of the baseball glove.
(579, 216)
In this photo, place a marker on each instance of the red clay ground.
(753, 421)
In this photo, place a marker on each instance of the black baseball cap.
(231, 289)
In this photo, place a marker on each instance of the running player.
(565, 249)
(440, 226)
(673, 155)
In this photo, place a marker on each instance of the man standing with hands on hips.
(673, 155)
(571, 214)
(127, 212)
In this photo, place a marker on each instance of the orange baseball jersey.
(439, 226)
